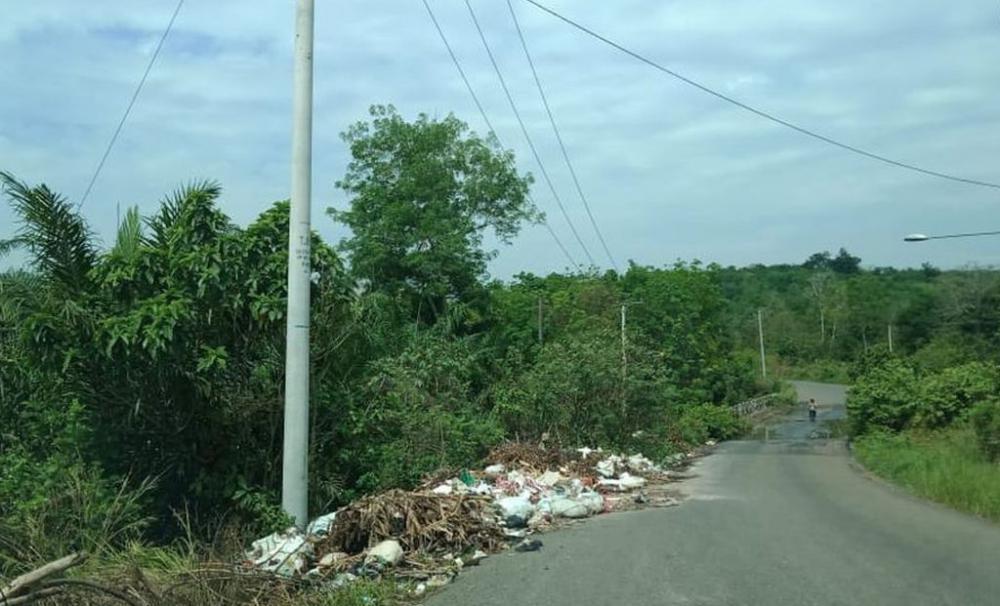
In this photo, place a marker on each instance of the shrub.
(948, 395)
(986, 423)
(884, 397)
(703, 422)
(874, 358)
(58, 505)
(941, 353)
(419, 411)
(574, 393)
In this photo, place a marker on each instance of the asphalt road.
(788, 521)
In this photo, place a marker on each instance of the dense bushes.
(162, 358)
(703, 422)
(893, 396)
(422, 413)
(948, 396)
(884, 398)
(937, 433)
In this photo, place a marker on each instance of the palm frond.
(20, 292)
(129, 237)
(172, 208)
(56, 236)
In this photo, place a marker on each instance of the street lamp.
(923, 238)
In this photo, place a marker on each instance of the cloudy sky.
(670, 171)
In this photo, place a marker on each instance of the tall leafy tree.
(422, 195)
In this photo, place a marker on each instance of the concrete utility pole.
(539, 320)
(760, 333)
(624, 362)
(890, 338)
(295, 462)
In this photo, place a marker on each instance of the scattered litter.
(549, 478)
(565, 507)
(516, 510)
(342, 579)
(608, 467)
(388, 552)
(467, 478)
(640, 464)
(459, 516)
(284, 553)
(320, 527)
(528, 545)
(332, 558)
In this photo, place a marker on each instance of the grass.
(944, 466)
(162, 576)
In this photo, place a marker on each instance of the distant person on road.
(812, 409)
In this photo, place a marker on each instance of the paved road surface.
(783, 522)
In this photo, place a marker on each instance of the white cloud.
(670, 172)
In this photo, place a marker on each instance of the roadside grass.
(943, 466)
(172, 576)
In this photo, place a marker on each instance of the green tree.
(422, 195)
(820, 260)
(845, 263)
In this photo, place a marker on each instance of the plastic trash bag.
(566, 507)
(284, 553)
(388, 551)
(320, 527)
(516, 510)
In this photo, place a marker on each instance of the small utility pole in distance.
(760, 334)
(295, 459)
(539, 320)
(890, 338)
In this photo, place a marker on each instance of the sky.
(670, 172)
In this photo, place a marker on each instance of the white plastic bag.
(516, 510)
(388, 551)
(284, 553)
(566, 507)
(320, 527)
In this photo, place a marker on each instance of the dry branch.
(23, 583)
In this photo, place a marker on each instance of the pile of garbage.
(450, 522)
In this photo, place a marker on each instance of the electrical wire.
(527, 136)
(555, 129)
(486, 119)
(131, 103)
(754, 110)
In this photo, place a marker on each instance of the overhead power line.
(486, 119)
(555, 129)
(128, 110)
(754, 110)
(527, 137)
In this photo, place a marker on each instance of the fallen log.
(22, 584)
